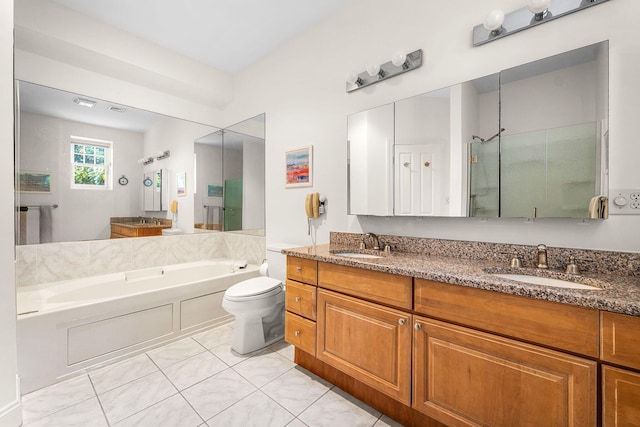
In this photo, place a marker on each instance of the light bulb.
(398, 58)
(373, 69)
(538, 6)
(494, 19)
(352, 78)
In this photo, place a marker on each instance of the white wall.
(253, 185)
(81, 214)
(307, 104)
(10, 415)
(60, 48)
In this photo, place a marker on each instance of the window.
(90, 163)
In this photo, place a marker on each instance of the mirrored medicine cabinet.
(530, 141)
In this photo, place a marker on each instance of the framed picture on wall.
(299, 164)
(34, 182)
(181, 184)
(214, 190)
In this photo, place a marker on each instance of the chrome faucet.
(542, 256)
(372, 236)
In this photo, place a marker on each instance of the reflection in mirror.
(231, 198)
(480, 127)
(428, 158)
(90, 152)
(370, 161)
(553, 151)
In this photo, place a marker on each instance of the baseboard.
(11, 414)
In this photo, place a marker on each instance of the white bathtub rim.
(33, 300)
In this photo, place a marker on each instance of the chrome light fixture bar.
(400, 63)
(498, 25)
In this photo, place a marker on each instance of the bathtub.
(66, 327)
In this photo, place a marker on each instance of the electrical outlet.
(624, 202)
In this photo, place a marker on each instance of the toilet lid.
(252, 287)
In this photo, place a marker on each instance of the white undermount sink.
(545, 281)
(357, 255)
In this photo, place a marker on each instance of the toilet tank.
(277, 261)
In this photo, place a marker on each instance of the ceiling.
(227, 34)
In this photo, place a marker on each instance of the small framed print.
(214, 190)
(181, 184)
(34, 182)
(299, 164)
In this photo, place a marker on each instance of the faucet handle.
(572, 267)
(362, 245)
(516, 262)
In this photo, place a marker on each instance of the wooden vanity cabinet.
(367, 341)
(300, 304)
(620, 344)
(119, 231)
(463, 377)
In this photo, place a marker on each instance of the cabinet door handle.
(401, 322)
(296, 333)
(297, 299)
(298, 269)
(418, 327)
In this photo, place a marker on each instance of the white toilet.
(258, 305)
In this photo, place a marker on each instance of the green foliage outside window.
(89, 167)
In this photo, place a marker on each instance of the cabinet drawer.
(301, 299)
(464, 377)
(620, 342)
(302, 270)
(300, 332)
(367, 341)
(620, 397)
(552, 324)
(385, 288)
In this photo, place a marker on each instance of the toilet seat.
(256, 288)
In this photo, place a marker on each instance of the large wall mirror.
(530, 141)
(231, 198)
(81, 161)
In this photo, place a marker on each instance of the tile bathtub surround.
(185, 384)
(589, 261)
(52, 262)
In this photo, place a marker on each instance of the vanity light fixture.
(145, 160)
(400, 63)
(162, 155)
(536, 12)
(83, 102)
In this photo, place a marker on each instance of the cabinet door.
(619, 341)
(467, 378)
(370, 342)
(620, 397)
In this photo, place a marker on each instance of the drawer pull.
(297, 299)
(296, 333)
(418, 327)
(401, 322)
(298, 269)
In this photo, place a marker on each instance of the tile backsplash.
(52, 262)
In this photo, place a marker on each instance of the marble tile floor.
(198, 382)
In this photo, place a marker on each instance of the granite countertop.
(618, 294)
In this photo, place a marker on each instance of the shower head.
(484, 141)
